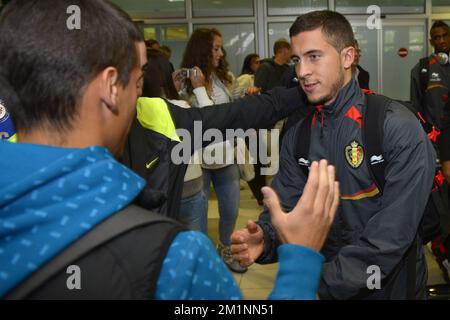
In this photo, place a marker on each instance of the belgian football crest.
(354, 153)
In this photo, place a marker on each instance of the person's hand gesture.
(252, 90)
(178, 80)
(197, 78)
(247, 244)
(310, 220)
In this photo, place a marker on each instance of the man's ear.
(110, 89)
(348, 57)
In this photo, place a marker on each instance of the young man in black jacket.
(374, 228)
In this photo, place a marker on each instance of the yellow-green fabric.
(154, 114)
(13, 138)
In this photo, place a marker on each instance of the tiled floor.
(257, 282)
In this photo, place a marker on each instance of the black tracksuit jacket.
(370, 228)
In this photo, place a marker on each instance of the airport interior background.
(249, 26)
(252, 26)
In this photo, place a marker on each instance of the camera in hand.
(187, 73)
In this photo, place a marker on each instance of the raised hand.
(310, 220)
(197, 78)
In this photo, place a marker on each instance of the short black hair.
(48, 65)
(149, 43)
(334, 25)
(439, 24)
(281, 44)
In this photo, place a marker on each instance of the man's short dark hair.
(439, 24)
(48, 65)
(149, 43)
(281, 44)
(334, 25)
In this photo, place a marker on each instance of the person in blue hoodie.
(72, 96)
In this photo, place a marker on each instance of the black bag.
(436, 209)
(430, 225)
(129, 218)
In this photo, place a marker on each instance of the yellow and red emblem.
(354, 153)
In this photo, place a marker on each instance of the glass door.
(404, 44)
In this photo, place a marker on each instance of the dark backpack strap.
(303, 139)
(424, 76)
(373, 133)
(125, 220)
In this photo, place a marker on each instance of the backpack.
(433, 221)
(126, 220)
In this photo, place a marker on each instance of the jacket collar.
(348, 96)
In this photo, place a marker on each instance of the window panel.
(294, 7)
(368, 44)
(441, 6)
(175, 36)
(397, 70)
(387, 6)
(222, 8)
(153, 9)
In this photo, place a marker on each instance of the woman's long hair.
(158, 77)
(198, 53)
(246, 67)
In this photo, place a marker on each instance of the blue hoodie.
(49, 197)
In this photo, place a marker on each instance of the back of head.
(281, 44)
(47, 63)
(152, 44)
(335, 27)
(158, 76)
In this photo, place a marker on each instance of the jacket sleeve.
(288, 184)
(255, 111)
(193, 270)
(391, 230)
(202, 97)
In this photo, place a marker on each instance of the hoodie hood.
(50, 197)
